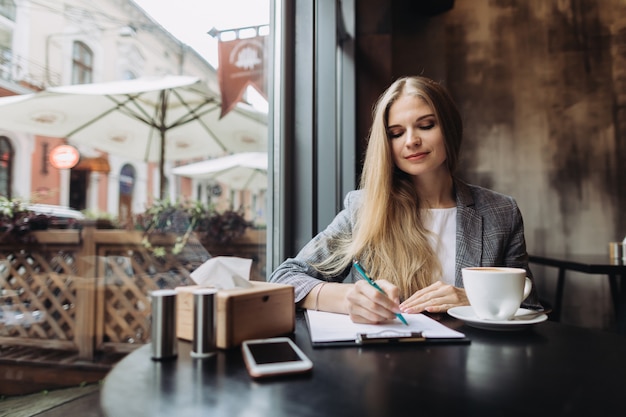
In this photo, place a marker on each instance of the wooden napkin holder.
(264, 310)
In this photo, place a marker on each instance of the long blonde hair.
(389, 237)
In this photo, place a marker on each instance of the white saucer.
(518, 322)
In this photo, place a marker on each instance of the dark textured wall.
(542, 88)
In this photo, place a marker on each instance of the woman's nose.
(413, 137)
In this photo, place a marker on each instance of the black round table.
(551, 369)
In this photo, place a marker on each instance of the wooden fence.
(88, 290)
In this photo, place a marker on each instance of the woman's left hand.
(436, 298)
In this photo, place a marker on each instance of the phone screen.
(274, 352)
(274, 356)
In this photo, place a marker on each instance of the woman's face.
(416, 139)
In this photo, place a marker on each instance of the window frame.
(313, 159)
(82, 68)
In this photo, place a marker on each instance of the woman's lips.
(416, 156)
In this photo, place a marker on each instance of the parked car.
(60, 216)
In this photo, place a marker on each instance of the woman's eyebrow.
(419, 119)
(425, 117)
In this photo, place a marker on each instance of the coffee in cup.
(495, 293)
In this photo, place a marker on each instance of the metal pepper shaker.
(204, 323)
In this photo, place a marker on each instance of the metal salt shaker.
(163, 339)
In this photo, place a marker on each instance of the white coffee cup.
(495, 293)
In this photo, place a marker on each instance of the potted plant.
(183, 218)
(16, 221)
(101, 220)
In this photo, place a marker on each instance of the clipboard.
(389, 337)
(336, 330)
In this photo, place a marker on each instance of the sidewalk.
(28, 369)
(83, 401)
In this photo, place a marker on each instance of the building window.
(128, 75)
(7, 9)
(127, 186)
(6, 167)
(82, 64)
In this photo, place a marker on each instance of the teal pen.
(361, 271)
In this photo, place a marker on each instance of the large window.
(82, 64)
(6, 166)
(308, 150)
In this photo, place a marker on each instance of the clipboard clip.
(389, 336)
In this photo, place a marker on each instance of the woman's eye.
(394, 134)
(426, 127)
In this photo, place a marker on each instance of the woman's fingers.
(368, 305)
(436, 298)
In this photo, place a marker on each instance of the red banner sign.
(241, 64)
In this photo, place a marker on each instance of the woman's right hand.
(368, 305)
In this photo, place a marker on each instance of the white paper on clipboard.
(325, 327)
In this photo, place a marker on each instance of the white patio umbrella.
(153, 118)
(241, 171)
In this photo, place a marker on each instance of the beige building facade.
(51, 43)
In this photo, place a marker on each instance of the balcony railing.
(18, 70)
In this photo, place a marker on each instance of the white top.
(442, 224)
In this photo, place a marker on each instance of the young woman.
(412, 224)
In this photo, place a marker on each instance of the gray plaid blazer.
(489, 232)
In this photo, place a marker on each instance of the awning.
(97, 164)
